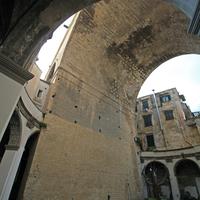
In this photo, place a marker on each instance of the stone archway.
(25, 26)
(188, 176)
(114, 47)
(157, 179)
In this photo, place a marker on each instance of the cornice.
(14, 71)
(31, 121)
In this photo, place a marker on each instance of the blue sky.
(182, 72)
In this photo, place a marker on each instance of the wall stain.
(136, 39)
(127, 50)
(86, 22)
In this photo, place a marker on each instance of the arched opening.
(188, 176)
(157, 179)
(12, 135)
(24, 167)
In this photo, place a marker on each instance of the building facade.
(168, 140)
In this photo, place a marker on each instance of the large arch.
(25, 27)
(157, 179)
(188, 176)
(131, 37)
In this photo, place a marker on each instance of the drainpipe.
(159, 118)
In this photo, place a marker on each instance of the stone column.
(173, 182)
(8, 169)
(12, 80)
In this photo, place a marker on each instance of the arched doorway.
(24, 167)
(188, 177)
(157, 179)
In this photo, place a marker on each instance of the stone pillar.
(8, 169)
(173, 182)
(12, 80)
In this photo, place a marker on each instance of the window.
(39, 94)
(147, 120)
(145, 105)
(165, 98)
(169, 114)
(136, 109)
(150, 140)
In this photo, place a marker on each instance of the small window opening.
(145, 105)
(165, 98)
(39, 94)
(169, 114)
(150, 141)
(147, 120)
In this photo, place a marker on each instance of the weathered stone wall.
(73, 162)
(96, 157)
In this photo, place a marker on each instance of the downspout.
(159, 118)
